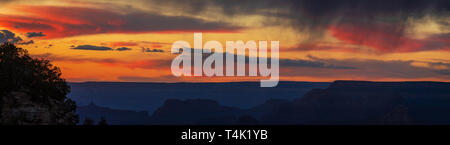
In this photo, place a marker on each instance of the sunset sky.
(320, 40)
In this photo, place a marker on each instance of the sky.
(320, 40)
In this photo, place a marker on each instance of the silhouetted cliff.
(196, 111)
(359, 102)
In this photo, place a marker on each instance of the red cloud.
(325, 46)
(381, 38)
(157, 46)
(115, 44)
(57, 22)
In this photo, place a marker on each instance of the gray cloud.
(91, 47)
(8, 36)
(123, 49)
(443, 72)
(153, 22)
(152, 50)
(308, 63)
(35, 34)
(313, 63)
(371, 69)
(445, 65)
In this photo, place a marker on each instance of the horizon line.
(250, 82)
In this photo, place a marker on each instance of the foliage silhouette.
(102, 122)
(32, 90)
(88, 121)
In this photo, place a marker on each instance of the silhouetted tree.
(88, 121)
(102, 121)
(32, 90)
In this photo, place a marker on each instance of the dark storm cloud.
(35, 34)
(315, 16)
(314, 10)
(92, 47)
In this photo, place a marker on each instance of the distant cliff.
(113, 116)
(150, 96)
(344, 102)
